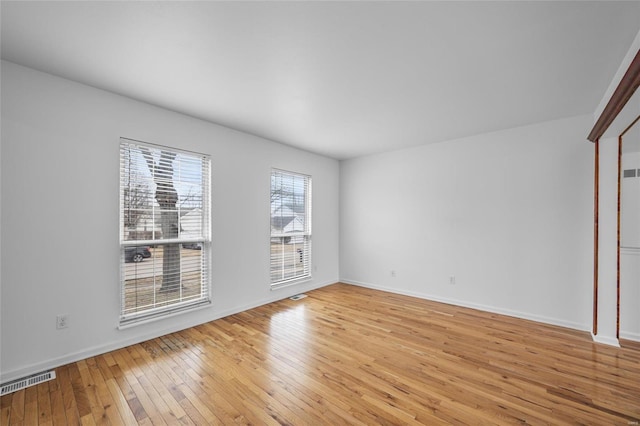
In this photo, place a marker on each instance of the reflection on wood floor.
(346, 355)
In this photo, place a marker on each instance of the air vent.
(629, 173)
(25, 382)
(298, 297)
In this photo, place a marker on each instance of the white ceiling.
(343, 79)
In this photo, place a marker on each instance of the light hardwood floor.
(346, 355)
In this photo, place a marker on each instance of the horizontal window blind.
(290, 227)
(164, 230)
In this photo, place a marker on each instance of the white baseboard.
(627, 335)
(605, 340)
(8, 376)
(466, 304)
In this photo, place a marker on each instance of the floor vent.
(298, 297)
(25, 382)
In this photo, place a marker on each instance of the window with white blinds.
(290, 227)
(164, 230)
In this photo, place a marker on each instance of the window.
(290, 227)
(164, 230)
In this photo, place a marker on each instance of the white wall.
(630, 208)
(509, 214)
(630, 237)
(0, 237)
(59, 223)
(630, 293)
(607, 242)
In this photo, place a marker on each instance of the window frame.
(171, 308)
(306, 233)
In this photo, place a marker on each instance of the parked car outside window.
(192, 246)
(136, 254)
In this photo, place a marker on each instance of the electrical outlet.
(452, 280)
(62, 321)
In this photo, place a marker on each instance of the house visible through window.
(290, 227)
(164, 230)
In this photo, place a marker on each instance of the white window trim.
(308, 233)
(180, 307)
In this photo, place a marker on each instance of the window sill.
(290, 283)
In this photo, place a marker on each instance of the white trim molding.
(605, 340)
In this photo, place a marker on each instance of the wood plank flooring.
(346, 355)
